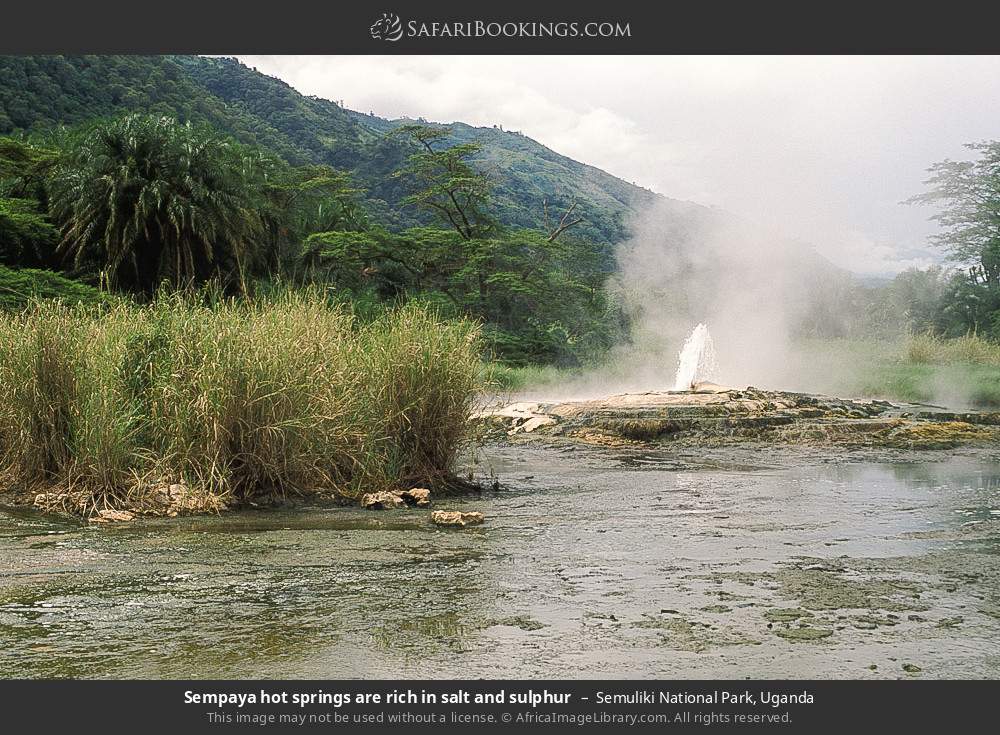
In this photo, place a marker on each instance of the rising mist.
(758, 291)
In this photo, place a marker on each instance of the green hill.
(38, 92)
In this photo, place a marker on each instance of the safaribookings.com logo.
(390, 28)
(387, 28)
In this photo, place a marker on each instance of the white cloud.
(858, 252)
(810, 145)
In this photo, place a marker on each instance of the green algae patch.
(750, 579)
(682, 634)
(716, 609)
(786, 614)
(726, 596)
(871, 622)
(443, 631)
(823, 589)
(939, 435)
(643, 430)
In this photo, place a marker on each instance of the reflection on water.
(584, 568)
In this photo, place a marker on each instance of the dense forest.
(285, 187)
(119, 174)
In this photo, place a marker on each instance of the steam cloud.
(684, 265)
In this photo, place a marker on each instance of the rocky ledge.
(716, 415)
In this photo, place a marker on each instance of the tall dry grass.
(238, 400)
(970, 350)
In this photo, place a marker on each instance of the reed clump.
(107, 407)
(970, 349)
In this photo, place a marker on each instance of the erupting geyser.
(697, 360)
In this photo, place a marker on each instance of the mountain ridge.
(42, 91)
(39, 92)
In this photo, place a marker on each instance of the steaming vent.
(697, 362)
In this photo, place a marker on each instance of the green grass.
(954, 386)
(239, 400)
(957, 373)
(508, 378)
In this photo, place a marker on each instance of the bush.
(238, 400)
(19, 287)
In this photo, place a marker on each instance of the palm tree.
(147, 199)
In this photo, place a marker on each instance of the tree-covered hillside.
(318, 192)
(38, 92)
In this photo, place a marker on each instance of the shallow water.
(774, 564)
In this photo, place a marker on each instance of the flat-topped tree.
(444, 182)
(27, 236)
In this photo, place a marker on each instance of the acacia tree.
(24, 169)
(27, 237)
(538, 294)
(149, 199)
(968, 195)
(444, 182)
(301, 201)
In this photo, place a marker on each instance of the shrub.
(237, 400)
(20, 286)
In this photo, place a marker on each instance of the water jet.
(696, 363)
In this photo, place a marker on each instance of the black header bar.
(498, 27)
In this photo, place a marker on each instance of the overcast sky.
(824, 148)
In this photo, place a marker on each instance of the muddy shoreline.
(709, 417)
(595, 562)
(178, 500)
(712, 551)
